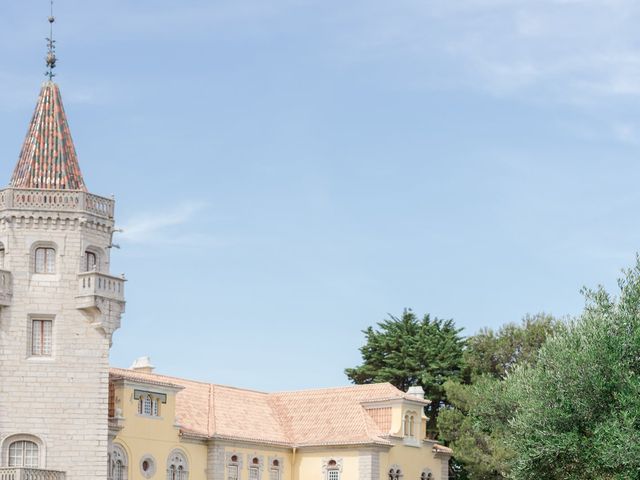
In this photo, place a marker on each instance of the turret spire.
(51, 46)
(48, 159)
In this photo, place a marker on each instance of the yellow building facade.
(165, 427)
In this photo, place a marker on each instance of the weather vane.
(51, 45)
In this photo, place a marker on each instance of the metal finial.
(51, 45)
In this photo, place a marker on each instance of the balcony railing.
(68, 200)
(94, 284)
(22, 473)
(6, 289)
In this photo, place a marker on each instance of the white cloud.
(173, 226)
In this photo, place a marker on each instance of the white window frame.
(41, 337)
(25, 456)
(44, 260)
(233, 471)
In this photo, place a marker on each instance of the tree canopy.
(577, 410)
(475, 424)
(408, 351)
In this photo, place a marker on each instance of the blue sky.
(289, 172)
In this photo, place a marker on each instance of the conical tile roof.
(48, 159)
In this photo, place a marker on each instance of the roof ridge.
(182, 379)
(328, 389)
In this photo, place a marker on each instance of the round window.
(147, 466)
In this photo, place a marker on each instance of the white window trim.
(22, 437)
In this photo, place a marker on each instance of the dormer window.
(149, 402)
(409, 425)
(45, 260)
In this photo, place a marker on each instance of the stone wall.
(60, 400)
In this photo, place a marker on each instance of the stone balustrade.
(92, 284)
(56, 200)
(22, 473)
(6, 288)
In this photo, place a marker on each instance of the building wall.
(154, 437)
(61, 400)
(220, 453)
(311, 464)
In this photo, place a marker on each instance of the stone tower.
(59, 306)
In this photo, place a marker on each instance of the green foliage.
(495, 354)
(409, 351)
(476, 423)
(577, 410)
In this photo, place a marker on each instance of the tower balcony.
(6, 290)
(101, 297)
(33, 199)
(94, 285)
(23, 473)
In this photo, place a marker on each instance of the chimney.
(143, 365)
(416, 391)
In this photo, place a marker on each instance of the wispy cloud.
(173, 226)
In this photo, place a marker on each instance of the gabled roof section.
(327, 416)
(48, 159)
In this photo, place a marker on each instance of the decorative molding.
(426, 474)
(280, 461)
(151, 465)
(239, 462)
(260, 459)
(326, 467)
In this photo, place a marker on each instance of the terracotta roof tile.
(48, 158)
(331, 416)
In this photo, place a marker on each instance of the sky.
(290, 172)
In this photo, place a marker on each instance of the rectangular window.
(333, 475)
(45, 260)
(254, 473)
(274, 474)
(41, 338)
(232, 472)
(91, 262)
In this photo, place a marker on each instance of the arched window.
(274, 470)
(411, 426)
(154, 407)
(148, 405)
(233, 468)
(177, 467)
(118, 463)
(23, 453)
(426, 476)
(405, 427)
(254, 469)
(45, 260)
(395, 473)
(333, 471)
(90, 261)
